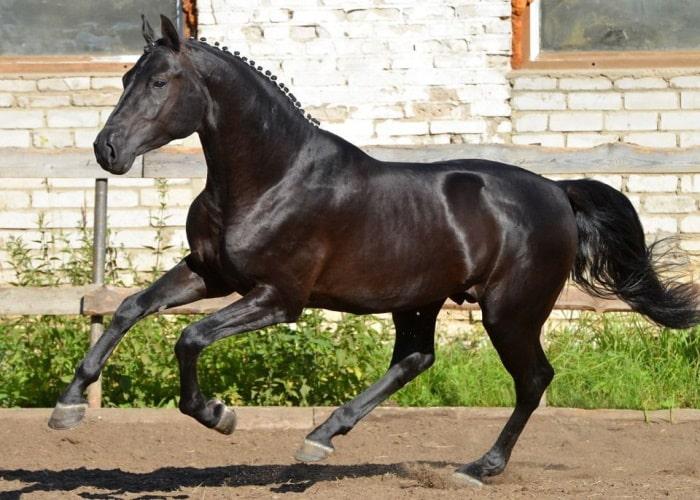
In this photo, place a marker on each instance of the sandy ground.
(392, 454)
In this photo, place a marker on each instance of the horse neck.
(253, 133)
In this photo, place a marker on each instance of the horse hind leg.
(414, 352)
(514, 330)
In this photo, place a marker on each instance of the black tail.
(613, 258)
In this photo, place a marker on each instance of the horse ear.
(170, 36)
(147, 31)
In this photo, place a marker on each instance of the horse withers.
(293, 216)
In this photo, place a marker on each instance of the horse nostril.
(112, 151)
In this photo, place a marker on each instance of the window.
(605, 33)
(79, 34)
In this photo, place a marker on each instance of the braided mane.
(281, 87)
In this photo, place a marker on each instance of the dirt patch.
(387, 456)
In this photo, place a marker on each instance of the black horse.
(293, 216)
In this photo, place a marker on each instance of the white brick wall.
(441, 58)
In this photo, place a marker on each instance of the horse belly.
(384, 279)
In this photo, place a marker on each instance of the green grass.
(613, 361)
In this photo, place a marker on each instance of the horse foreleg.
(414, 353)
(178, 286)
(261, 307)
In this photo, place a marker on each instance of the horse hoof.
(463, 479)
(227, 421)
(67, 416)
(311, 451)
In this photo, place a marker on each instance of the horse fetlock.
(66, 416)
(491, 464)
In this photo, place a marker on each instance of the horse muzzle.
(110, 152)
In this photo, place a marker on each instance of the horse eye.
(159, 84)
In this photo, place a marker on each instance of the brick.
(174, 197)
(43, 101)
(95, 99)
(13, 219)
(652, 139)
(6, 100)
(652, 183)
(612, 180)
(64, 218)
(16, 118)
(680, 120)
(587, 140)
(576, 121)
(399, 127)
(648, 82)
(484, 9)
(534, 83)
(504, 127)
(133, 238)
(690, 224)
(630, 120)
(690, 183)
(531, 122)
(14, 139)
(85, 137)
(101, 82)
(585, 83)
(485, 107)
(14, 199)
(690, 99)
(370, 111)
(52, 138)
(374, 15)
(457, 127)
(17, 85)
(595, 100)
(653, 225)
(691, 246)
(546, 140)
(539, 101)
(691, 82)
(73, 118)
(118, 198)
(129, 217)
(689, 139)
(52, 84)
(302, 33)
(669, 204)
(62, 199)
(352, 130)
(651, 100)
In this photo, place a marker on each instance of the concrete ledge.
(262, 418)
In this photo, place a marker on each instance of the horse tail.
(613, 258)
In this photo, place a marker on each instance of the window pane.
(620, 25)
(46, 27)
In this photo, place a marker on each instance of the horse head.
(164, 98)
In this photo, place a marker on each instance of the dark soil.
(559, 455)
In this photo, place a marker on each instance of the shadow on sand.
(115, 483)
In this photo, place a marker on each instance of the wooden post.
(99, 257)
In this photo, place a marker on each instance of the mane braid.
(282, 88)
